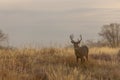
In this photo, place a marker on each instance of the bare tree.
(111, 33)
(3, 37)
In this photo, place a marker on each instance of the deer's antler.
(80, 37)
(79, 40)
(71, 37)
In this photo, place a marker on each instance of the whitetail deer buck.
(80, 51)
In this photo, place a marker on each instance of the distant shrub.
(102, 56)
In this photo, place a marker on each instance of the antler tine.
(79, 40)
(71, 37)
(80, 37)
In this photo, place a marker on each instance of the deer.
(80, 51)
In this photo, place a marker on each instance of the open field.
(59, 64)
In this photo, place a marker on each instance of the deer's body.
(80, 52)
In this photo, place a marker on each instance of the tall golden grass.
(59, 64)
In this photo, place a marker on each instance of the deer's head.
(75, 43)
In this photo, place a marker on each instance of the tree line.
(110, 36)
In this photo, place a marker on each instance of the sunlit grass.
(59, 64)
(107, 50)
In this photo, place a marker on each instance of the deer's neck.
(76, 47)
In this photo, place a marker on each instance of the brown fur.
(80, 52)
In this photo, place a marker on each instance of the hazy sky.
(46, 21)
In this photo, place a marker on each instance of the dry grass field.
(59, 64)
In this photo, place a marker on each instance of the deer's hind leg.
(77, 59)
